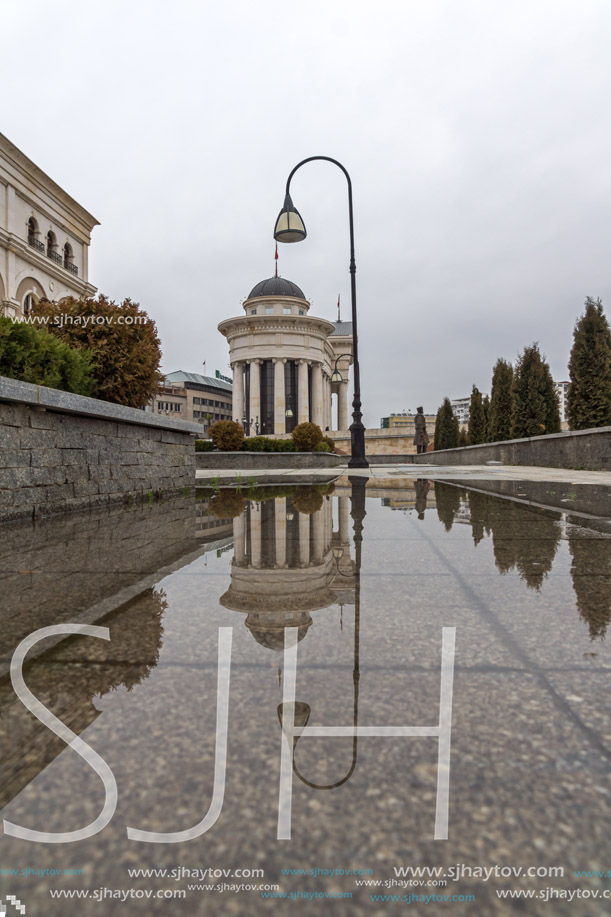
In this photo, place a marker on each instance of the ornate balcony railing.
(36, 243)
(55, 256)
(71, 267)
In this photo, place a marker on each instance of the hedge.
(33, 355)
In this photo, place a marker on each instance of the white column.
(329, 403)
(279, 396)
(280, 526)
(317, 397)
(238, 539)
(237, 399)
(304, 539)
(255, 534)
(303, 404)
(342, 406)
(318, 536)
(255, 392)
(344, 520)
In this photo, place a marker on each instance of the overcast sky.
(477, 135)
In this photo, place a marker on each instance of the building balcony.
(71, 267)
(36, 243)
(55, 256)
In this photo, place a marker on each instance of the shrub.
(122, 339)
(265, 444)
(227, 435)
(226, 504)
(322, 447)
(204, 445)
(307, 500)
(33, 355)
(330, 443)
(307, 436)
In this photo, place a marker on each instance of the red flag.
(338, 318)
(276, 260)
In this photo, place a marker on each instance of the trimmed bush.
(204, 445)
(330, 442)
(265, 444)
(227, 504)
(307, 436)
(227, 435)
(33, 355)
(322, 447)
(307, 500)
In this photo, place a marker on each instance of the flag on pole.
(338, 318)
(276, 260)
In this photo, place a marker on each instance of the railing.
(36, 243)
(54, 256)
(71, 267)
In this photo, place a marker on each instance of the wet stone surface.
(369, 581)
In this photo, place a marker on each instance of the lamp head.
(336, 376)
(289, 412)
(289, 225)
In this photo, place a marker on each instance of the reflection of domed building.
(282, 360)
(286, 565)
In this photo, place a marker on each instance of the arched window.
(28, 304)
(69, 259)
(52, 247)
(33, 233)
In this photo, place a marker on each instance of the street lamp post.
(291, 228)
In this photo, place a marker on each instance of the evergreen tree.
(535, 402)
(463, 439)
(477, 418)
(446, 427)
(486, 407)
(589, 398)
(501, 396)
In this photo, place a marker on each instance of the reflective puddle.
(361, 585)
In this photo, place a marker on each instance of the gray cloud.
(476, 133)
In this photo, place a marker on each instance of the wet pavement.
(366, 575)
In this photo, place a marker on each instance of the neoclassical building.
(283, 358)
(44, 237)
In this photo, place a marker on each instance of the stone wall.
(587, 449)
(230, 461)
(379, 442)
(61, 452)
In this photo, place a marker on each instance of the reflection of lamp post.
(291, 228)
(301, 711)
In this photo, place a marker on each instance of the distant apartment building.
(562, 390)
(191, 396)
(405, 423)
(44, 237)
(461, 408)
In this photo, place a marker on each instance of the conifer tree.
(501, 395)
(446, 427)
(477, 418)
(486, 407)
(535, 402)
(589, 397)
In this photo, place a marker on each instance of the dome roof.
(276, 286)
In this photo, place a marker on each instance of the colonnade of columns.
(318, 412)
(314, 533)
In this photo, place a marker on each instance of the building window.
(301, 312)
(28, 304)
(269, 310)
(33, 233)
(253, 311)
(286, 310)
(69, 259)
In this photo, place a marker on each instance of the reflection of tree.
(447, 499)
(479, 514)
(130, 654)
(307, 500)
(590, 570)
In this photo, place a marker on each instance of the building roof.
(342, 328)
(276, 286)
(180, 376)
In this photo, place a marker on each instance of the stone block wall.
(62, 452)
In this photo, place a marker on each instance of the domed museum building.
(282, 360)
